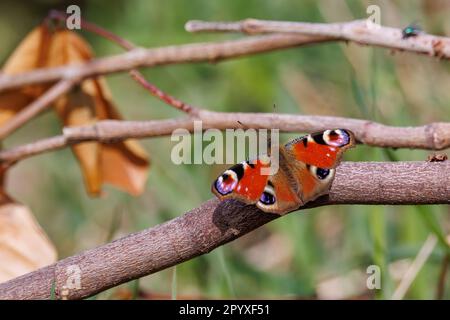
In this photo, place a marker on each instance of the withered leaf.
(29, 55)
(24, 246)
(123, 164)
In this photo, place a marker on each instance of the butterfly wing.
(246, 183)
(243, 181)
(321, 149)
(280, 195)
(312, 160)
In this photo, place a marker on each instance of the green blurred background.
(293, 257)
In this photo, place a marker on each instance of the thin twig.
(415, 267)
(36, 107)
(168, 99)
(88, 26)
(359, 31)
(135, 74)
(215, 223)
(139, 57)
(434, 136)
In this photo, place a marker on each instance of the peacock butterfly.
(306, 171)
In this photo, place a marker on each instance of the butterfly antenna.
(242, 125)
(269, 144)
(269, 138)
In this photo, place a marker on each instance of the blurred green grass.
(349, 80)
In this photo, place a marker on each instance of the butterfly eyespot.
(267, 198)
(322, 173)
(336, 138)
(226, 183)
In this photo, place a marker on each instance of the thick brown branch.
(359, 31)
(435, 136)
(215, 223)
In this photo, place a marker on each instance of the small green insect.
(411, 31)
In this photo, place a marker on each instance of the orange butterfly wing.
(243, 181)
(322, 149)
(314, 157)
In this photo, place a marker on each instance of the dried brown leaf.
(123, 164)
(29, 55)
(24, 246)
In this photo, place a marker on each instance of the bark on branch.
(295, 34)
(35, 107)
(434, 136)
(360, 31)
(140, 57)
(215, 223)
